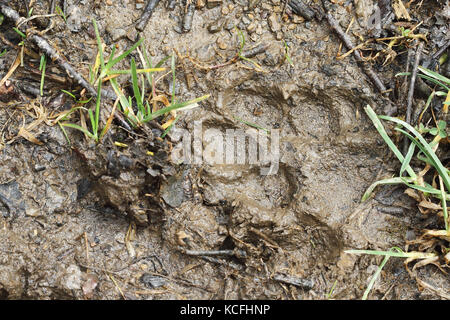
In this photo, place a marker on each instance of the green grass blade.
(111, 56)
(134, 81)
(434, 81)
(374, 278)
(251, 124)
(176, 106)
(390, 181)
(65, 133)
(42, 67)
(398, 253)
(125, 104)
(97, 108)
(99, 44)
(75, 126)
(69, 93)
(124, 55)
(379, 126)
(92, 118)
(159, 64)
(434, 75)
(423, 145)
(172, 66)
(408, 158)
(444, 204)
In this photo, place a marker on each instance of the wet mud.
(107, 222)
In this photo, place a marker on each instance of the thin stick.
(411, 92)
(441, 50)
(348, 43)
(145, 18)
(300, 8)
(209, 253)
(45, 46)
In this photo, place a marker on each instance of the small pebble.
(221, 44)
(273, 23)
(245, 20)
(229, 25)
(251, 27)
(215, 26)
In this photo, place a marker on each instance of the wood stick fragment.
(411, 92)
(300, 8)
(348, 43)
(145, 18)
(45, 46)
(413, 81)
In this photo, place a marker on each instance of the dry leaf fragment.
(24, 133)
(430, 205)
(400, 10)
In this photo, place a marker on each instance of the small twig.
(300, 8)
(298, 282)
(255, 51)
(209, 253)
(441, 50)
(411, 92)
(35, 17)
(271, 243)
(145, 18)
(117, 285)
(224, 263)
(348, 43)
(47, 48)
(413, 81)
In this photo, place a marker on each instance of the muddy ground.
(69, 230)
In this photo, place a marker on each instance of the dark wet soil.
(106, 222)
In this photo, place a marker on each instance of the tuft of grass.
(426, 154)
(393, 252)
(136, 108)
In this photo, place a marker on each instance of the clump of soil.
(129, 178)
